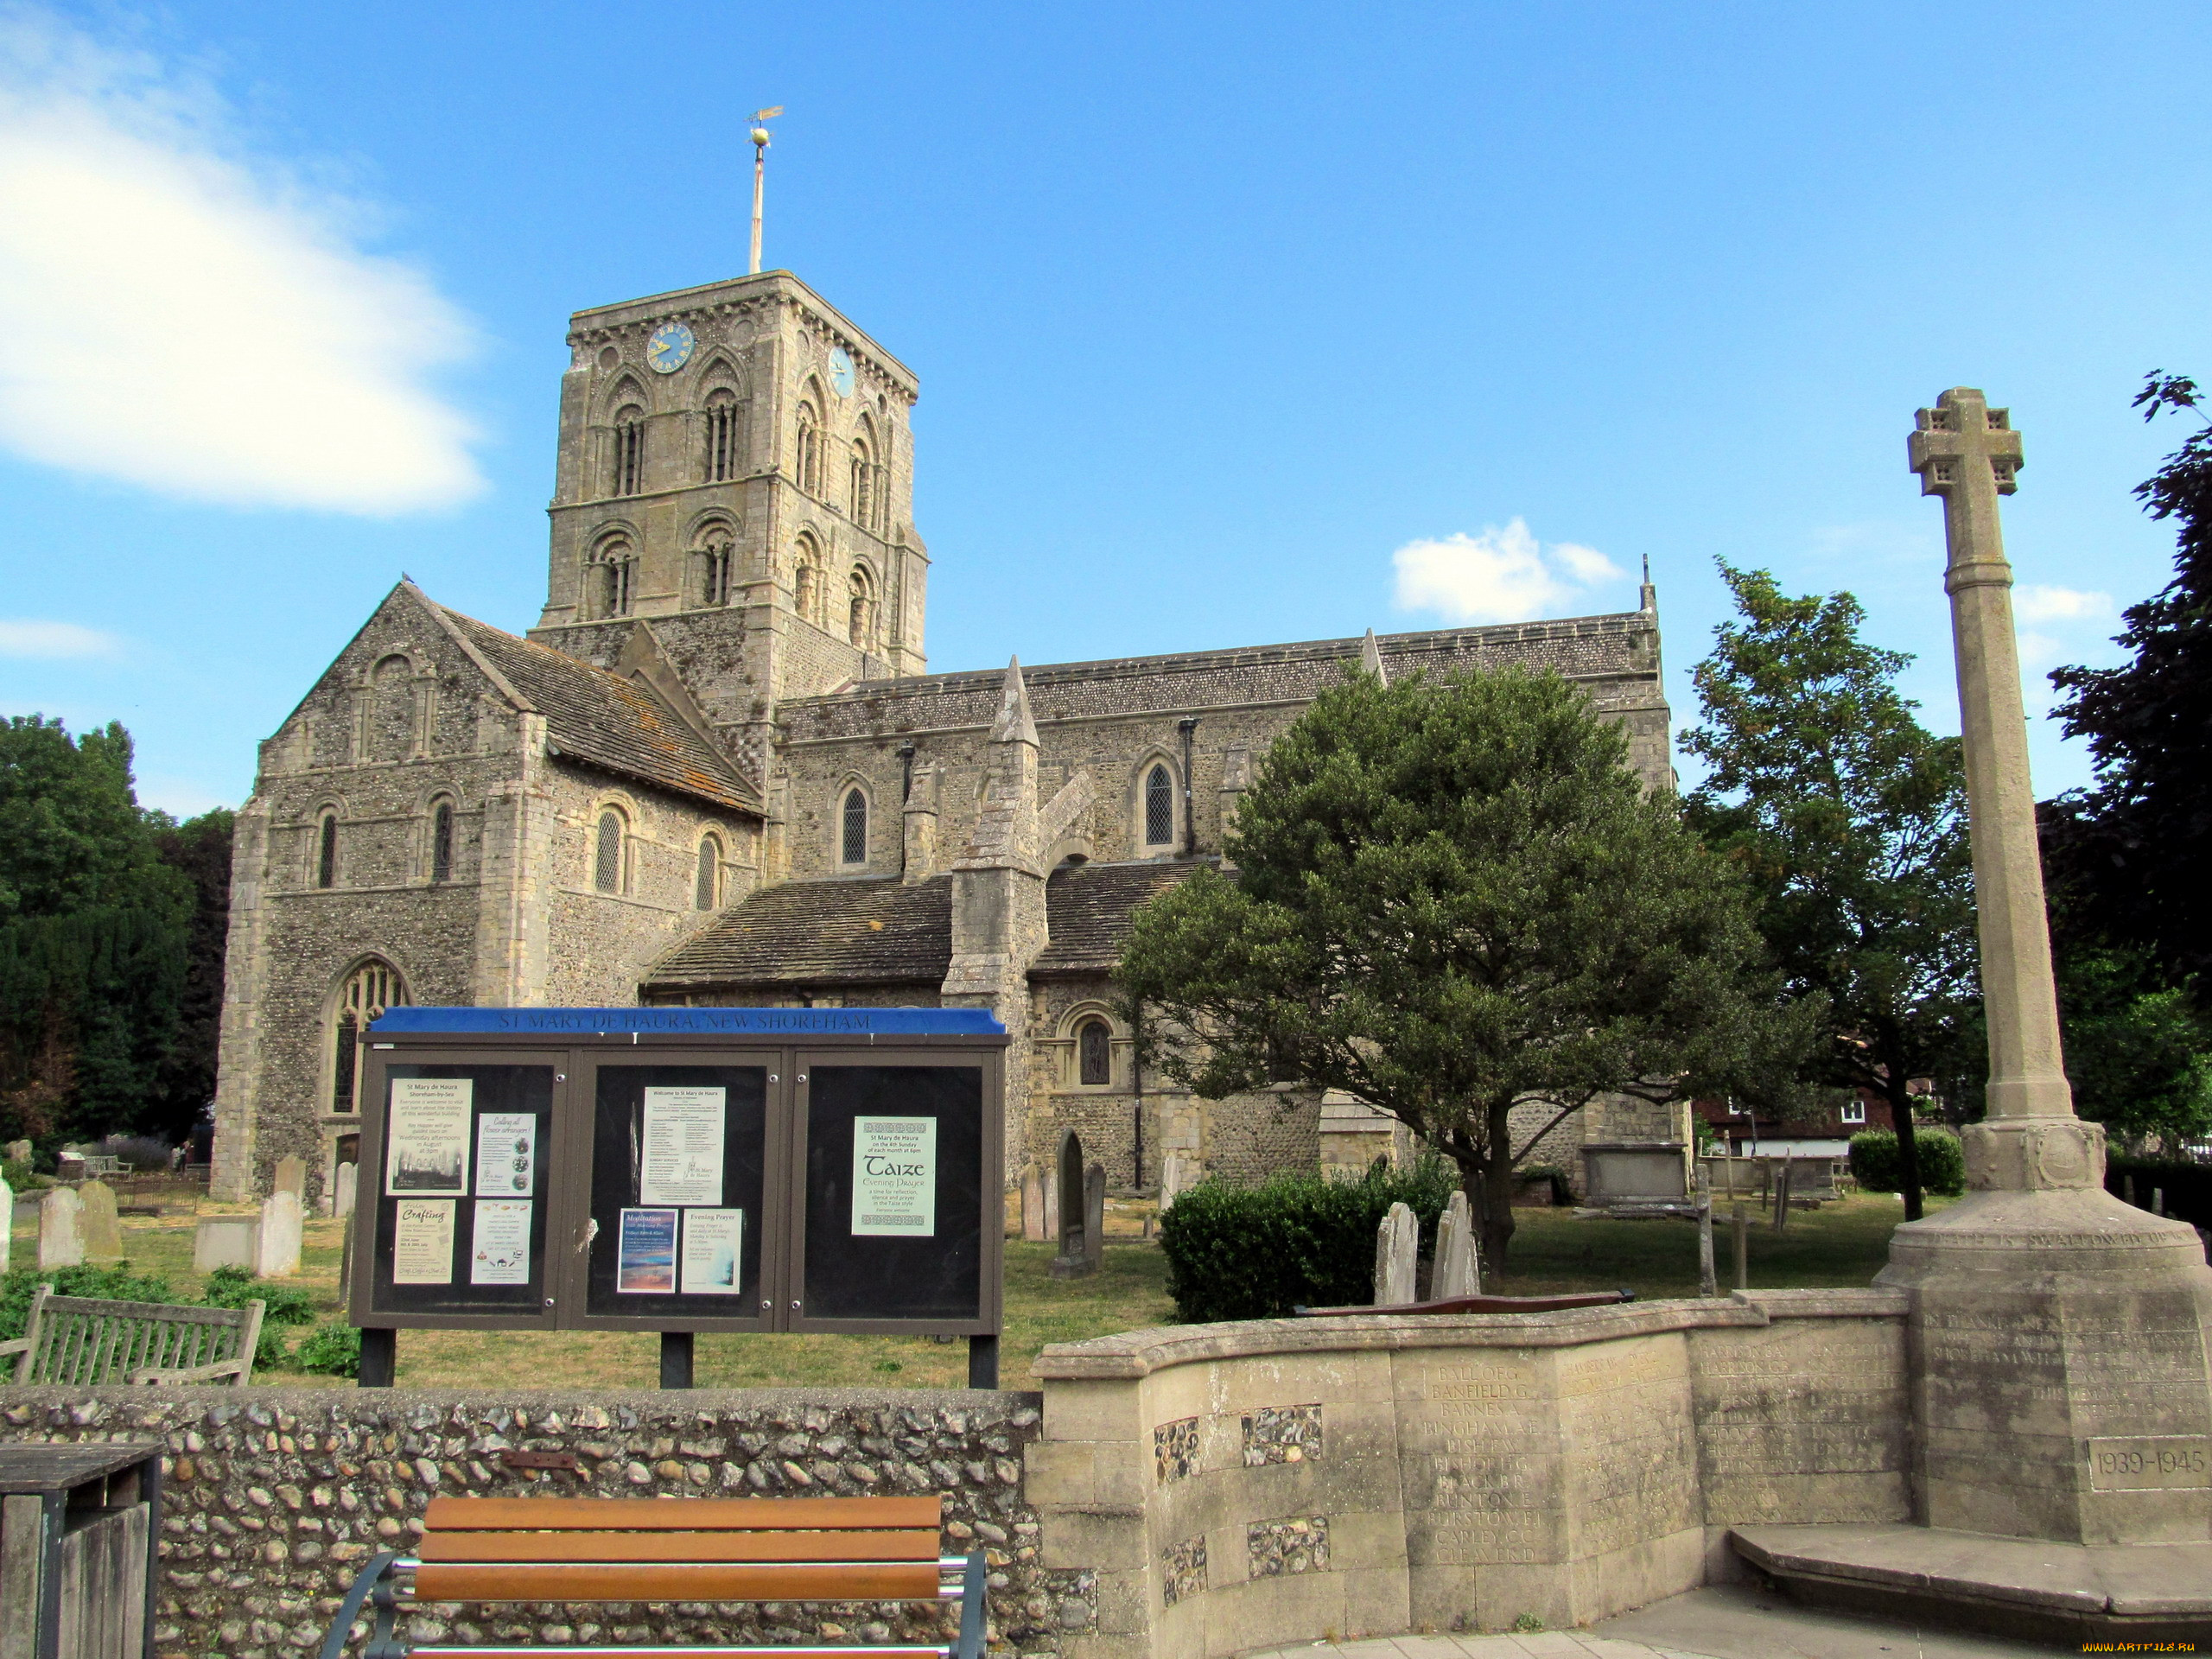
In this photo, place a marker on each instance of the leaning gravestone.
(61, 1229)
(343, 1188)
(1094, 1216)
(278, 1252)
(1397, 1252)
(225, 1241)
(101, 1226)
(1456, 1272)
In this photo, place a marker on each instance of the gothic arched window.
(629, 450)
(1094, 1059)
(441, 841)
(1158, 808)
(725, 435)
(607, 856)
(368, 991)
(326, 851)
(852, 841)
(610, 578)
(707, 889)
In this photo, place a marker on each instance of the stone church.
(717, 771)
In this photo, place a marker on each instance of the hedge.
(1942, 1165)
(1299, 1239)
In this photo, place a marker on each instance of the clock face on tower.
(669, 348)
(841, 372)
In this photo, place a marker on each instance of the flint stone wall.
(272, 1499)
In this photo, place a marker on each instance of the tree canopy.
(111, 932)
(1847, 818)
(1451, 897)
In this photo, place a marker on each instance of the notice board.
(683, 1169)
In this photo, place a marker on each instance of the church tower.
(736, 471)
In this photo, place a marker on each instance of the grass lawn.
(1840, 1244)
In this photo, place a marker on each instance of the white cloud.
(1501, 575)
(55, 641)
(177, 316)
(2051, 622)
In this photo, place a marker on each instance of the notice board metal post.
(681, 1170)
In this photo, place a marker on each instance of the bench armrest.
(15, 1345)
(374, 1579)
(235, 1369)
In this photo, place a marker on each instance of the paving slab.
(2018, 1585)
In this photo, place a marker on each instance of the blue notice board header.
(719, 1022)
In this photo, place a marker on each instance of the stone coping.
(1135, 1354)
(660, 1402)
(2139, 1581)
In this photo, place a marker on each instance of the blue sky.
(1234, 325)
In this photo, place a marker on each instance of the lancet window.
(1094, 1056)
(853, 828)
(607, 854)
(326, 851)
(441, 841)
(707, 889)
(1158, 808)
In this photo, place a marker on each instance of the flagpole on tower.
(759, 176)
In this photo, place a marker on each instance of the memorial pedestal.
(2059, 1338)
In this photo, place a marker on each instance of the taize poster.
(894, 1177)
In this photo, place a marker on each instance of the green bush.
(115, 1284)
(1299, 1239)
(331, 1351)
(281, 1306)
(1942, 1165)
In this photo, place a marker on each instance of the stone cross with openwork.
(1967, 452)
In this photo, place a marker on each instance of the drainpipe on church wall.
(1188, 725)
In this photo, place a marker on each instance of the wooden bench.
(693, 1549)
(86, 1342)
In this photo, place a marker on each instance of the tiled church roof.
(884, 932)
(819, 933)
(606, 720)
(1088, 908)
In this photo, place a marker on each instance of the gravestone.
(1397, 1256)
(1034, 1225)
(225, 1241)
(1456, 1272)
(61, 1229)
(290, 1176)
(7, 1223)
(1094, 1216)
(1175, 1179)
(16, 1152)
(1074, 1259)
(276, 1254)
(343, 1188)
(101, 1226)
(2062, 1391)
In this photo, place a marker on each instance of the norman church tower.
(736, 466)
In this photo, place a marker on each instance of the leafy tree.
(1848, 820)
(199, 850)
(2135, 846)
(1451, 898)
(92, 936)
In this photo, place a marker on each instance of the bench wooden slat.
(666, 1582)
(919, 1545)
(680, 1515)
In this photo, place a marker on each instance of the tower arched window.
(326, 851)
(1094, 1057)
(1158, 808)
(860, 609)
(441, 841)
(712, 567)
(368, 991)
(725, 435)
(607, 854)
(706, 887)
(610, 578)
(806, 581)
(852, 839)
(807, 459)
(863, 484)
(629, 450)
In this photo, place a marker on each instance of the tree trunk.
(1894, 1090)
(1493, 1200)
